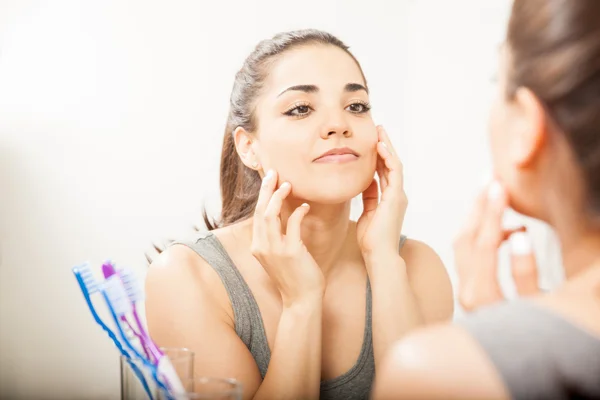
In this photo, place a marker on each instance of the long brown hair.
(240, 184)
(555, 52)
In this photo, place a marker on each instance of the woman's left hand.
(476, 253)
(380, 225)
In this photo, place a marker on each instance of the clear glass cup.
(132, 387)
(206, 388)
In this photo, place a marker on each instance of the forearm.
(295, 368)
(395, 308)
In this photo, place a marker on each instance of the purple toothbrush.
(108, 270)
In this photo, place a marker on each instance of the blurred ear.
(531, 128)
(244, 146)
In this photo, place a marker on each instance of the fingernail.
(495, 191)
(520, 244)
(284, 185)
(304, 204)
(386, 151)
(267, 177)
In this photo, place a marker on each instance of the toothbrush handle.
(117, 343)
(113, 337)
(140, 339)
(141, 378)
(117, 321)
(156, 353)
(163, 363)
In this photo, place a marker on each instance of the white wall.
(111, 118)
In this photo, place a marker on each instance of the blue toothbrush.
(119, 306)
(89, 287)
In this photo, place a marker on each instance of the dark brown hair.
(240, 184)
(555, 52)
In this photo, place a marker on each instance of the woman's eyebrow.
(350, 87)
(355, 87)
(301, 88)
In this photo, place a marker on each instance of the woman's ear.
(244, 146)
(531, 134)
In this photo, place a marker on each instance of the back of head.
(555, 52)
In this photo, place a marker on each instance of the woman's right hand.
(283, 256)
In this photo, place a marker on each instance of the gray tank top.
(538, 354)
(354, 384)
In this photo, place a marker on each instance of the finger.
(264, 196)
(393, 169)
(491, 233)
(266, 191)
(383, 137)
(473, 223)
(370, 197)
(523, 264)
(293, 233)
(272, 213)
(381, 173)
(390, 157)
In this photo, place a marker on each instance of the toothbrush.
(89, 287)
(162, 361)
(119, 305)
(108, 267)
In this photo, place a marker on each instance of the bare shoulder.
(429, 280)
(439, 362)
(177, 263)
(180, 274)
(188, 306)
(419, 255)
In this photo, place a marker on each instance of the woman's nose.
(336, 125)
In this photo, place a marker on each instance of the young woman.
(288, 295)
(545, 137)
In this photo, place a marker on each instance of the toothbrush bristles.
(118, 297)
(133, 289)
(85, 272)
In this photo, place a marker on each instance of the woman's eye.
(298, 111)
(358, 108)
(302, 110)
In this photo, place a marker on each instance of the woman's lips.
(337, 158)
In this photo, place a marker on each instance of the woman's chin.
(334, 195)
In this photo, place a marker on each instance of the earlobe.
(532, 127)
(243, 145)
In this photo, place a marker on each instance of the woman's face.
(315, 101)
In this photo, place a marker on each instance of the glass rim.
(232, 386)
(186, 351)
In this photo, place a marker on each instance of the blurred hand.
(476, 253)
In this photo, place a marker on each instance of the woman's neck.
(325, 231)
(580, 244)
(579, 253)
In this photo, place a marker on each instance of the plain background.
(111, 120)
